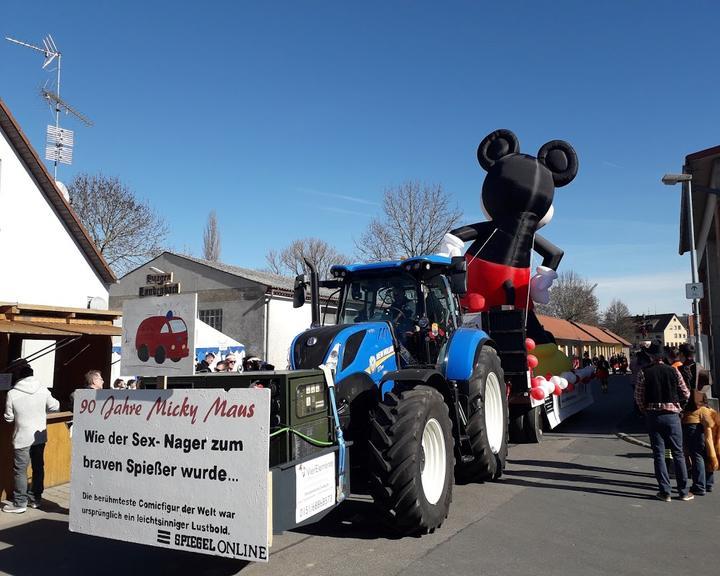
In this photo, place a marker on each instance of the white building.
(51, 272)
(47, 256)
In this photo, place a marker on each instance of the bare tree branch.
(415, 219)
(126, 230)
(290, 260)
(617, 319)
(572, 298)
(211, 239)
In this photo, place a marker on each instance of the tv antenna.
(60, 141)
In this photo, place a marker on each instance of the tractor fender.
(415, 376)
(463, 352)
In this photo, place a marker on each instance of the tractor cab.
(417, 297)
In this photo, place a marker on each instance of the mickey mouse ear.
(560, 158)
(496, 145)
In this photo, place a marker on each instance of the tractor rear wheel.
(533, 425)
(143, 353)
(487, 421)
(411, 459)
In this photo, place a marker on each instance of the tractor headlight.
(332, 359)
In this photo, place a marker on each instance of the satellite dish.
(63, 190)
(97, 303)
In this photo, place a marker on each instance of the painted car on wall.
(162, 337)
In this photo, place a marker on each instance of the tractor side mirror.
(299, 291)
(458, 275)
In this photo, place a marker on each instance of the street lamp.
(671, 180)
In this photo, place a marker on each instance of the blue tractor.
(421, 398)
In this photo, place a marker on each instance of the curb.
(632, 440)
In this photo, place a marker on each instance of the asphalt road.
(580, 503)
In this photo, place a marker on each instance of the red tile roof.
(564, 330)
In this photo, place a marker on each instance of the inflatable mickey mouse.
(517, 198)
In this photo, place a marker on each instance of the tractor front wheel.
(411, 459)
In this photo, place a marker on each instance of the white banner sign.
(183, 469)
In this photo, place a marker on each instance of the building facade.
(54, 291)
(252, 307)
(704, 166)
(664, 328)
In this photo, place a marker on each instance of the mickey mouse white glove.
(450, 246)
(540, 284)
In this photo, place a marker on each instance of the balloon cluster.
(542, 387)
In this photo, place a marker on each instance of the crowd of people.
(230, 363)
(669, 392)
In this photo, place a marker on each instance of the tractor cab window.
(442, 315)
(165, 329)
(382, 299)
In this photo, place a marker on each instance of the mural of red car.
(162, 337)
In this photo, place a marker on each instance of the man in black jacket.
(688, 370)
(659, 393)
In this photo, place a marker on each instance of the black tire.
(159, 354)
(490, 457)
(176, 359)
(533, 427)
(143, 353)
(397, 459)
(517, 427)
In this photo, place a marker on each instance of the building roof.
(653, 322)
(564, 330)
(617, 337)
(705, 169)
(46, 184)
(597, 334)
(276, 282)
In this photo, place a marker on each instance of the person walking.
(602, 372)
(27, 405)
(697, 423)
(689, 369)
(659, 393)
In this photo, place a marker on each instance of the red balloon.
(537, 393)
(529, 343)
(557, 390)
(548, 376)
(535, 382)
(532, 361)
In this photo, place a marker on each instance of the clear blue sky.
(291, 118)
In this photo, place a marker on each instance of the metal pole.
(693, 264)
(57, 114)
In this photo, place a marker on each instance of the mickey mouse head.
(518, 183)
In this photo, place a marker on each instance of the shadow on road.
(575, 466)
(357, 519)
(47, 547)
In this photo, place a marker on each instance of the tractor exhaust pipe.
(314, 293)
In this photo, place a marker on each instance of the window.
(212, 317)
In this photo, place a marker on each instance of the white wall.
(41, 264)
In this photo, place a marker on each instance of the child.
(701, 436)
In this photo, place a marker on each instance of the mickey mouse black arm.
(551, 254)
(465, 233)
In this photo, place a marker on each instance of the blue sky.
(291, 118)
